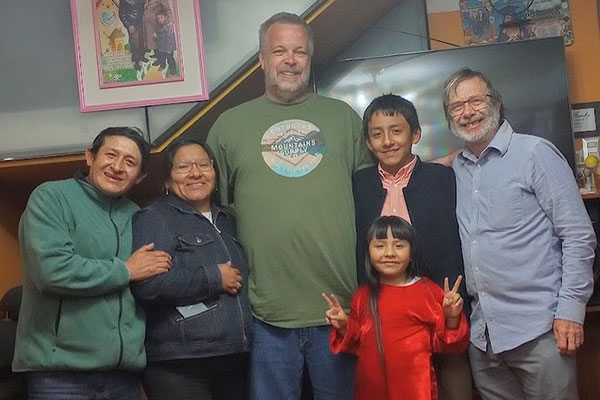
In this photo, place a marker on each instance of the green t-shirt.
(288, 171)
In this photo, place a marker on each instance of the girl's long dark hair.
(402, 230)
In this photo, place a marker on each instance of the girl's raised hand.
(335, 315)
(453, 302)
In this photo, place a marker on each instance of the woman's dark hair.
(172, 151)
(402, 230)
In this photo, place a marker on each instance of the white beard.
(491, 118)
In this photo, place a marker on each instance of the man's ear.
(261, 60)
(89, 157)
(140, 178)
(416, 136)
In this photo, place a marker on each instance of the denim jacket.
(188, 314)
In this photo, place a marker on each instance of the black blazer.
(431, 201)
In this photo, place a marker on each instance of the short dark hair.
(131, 133)
(172, 150)
(391, 104)
(462, 75)
(288, 19)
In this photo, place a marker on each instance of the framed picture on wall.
(494, 21)
(134, 53)
(585, 119)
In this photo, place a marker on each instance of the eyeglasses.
(186, 166)
(476, 102)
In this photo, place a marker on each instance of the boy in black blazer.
(422, 193)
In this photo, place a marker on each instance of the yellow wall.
(446, 26)
(10, 269)
(583, 56)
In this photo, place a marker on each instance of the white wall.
(401, 30)
(39, 103)
(435, 6)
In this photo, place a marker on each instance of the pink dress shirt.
(394, 201)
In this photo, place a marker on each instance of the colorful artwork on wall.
(136, 42)
(134, 53)
(493, 21)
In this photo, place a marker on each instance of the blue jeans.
(72, 385)
(279, 357)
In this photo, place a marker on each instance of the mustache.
(464, 121)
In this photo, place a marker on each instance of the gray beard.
(491, 121)
(289, 96)
(286, 95)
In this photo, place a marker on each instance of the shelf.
(588, 196)
(592, 309)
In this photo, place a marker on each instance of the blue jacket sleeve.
(186, 283)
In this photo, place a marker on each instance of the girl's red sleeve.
(350, 342)
(449, 341)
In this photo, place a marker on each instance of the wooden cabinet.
(588, 357)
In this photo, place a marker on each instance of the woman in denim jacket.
(198, 313)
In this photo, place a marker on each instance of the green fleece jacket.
(77, 311)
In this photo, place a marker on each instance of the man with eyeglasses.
(528, 247)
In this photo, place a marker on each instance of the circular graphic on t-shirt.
(293, 148)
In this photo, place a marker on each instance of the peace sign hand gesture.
(452, 303)
(335, 315)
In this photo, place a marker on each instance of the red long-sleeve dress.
(413, 327)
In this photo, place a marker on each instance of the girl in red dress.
(397, 319)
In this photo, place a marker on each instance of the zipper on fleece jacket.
(121, 292)
(58, 316)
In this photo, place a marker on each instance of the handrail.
(312, 12)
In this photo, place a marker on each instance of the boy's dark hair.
(131, 133)
(390, 105)
(174, 148)
(400, 229)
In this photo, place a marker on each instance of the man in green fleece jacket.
(80, 333)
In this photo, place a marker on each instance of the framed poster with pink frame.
(134, 53)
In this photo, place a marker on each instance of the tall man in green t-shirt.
(286, 161)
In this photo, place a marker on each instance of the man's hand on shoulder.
(568, 335)
(446, 160)
(145, 263)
